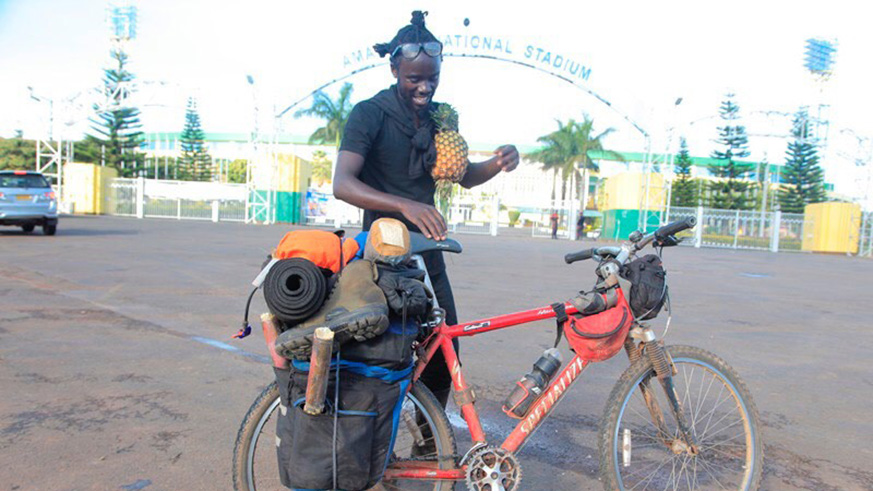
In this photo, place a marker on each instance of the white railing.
(181, 200)
(865, 242)
(736, 229)
(466, 217)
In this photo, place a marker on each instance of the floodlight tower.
(49, 152)
(260, 169)
(121, 18)
(820, 57)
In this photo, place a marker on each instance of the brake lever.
(668, 241)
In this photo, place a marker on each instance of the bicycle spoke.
(712, 411)
(706, 467)
(700, 402)
(650, 476)
(718, 426)
(685, 470)
(740, 421)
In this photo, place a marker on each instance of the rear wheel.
(49, 229)
(422, 420)
(719, 410)
(28, 228)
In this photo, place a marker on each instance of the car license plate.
(24, 197)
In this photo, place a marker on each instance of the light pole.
(259, 202)
(51, 103)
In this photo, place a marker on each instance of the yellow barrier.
(626, 191)
(293, 173)
(85, 186)
(831, 227)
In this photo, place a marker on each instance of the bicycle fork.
(657, 356)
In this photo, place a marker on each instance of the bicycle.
(700, 443)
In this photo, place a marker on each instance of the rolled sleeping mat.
(295, 289)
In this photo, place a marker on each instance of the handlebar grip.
(676, 227)
(579, 256)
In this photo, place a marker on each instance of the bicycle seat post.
(419, 263)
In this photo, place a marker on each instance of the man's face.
(417, 80)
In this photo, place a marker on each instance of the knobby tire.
(729, 443)
(259, 420)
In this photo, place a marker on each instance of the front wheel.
(424, 437)
(636, 454)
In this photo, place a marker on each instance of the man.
(386, 154)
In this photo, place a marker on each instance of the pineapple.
(451, 161)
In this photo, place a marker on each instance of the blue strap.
(381, 373)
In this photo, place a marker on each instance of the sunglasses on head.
(411, 50)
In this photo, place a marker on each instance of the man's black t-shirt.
(386, 151)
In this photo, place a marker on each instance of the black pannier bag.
(370, 400)
(648, 285)
(374, 376)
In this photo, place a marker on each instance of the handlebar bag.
(370, 400)
(600, 336)
(648, 285)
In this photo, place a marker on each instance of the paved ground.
(107, 380)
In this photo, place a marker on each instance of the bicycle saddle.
(419, 243)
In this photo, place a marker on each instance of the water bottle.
(531, 386)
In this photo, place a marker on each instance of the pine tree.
(684, 191)
(805, 178)
(117, 124)
(730, 190)
(194, 163)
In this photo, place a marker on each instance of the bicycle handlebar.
(579, 256)
(627, 250)
(676, 227)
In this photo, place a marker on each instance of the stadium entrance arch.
(532, 56)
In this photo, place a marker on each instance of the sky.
(640, 56)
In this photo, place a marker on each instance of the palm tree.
(335, 113)
(550, 156)
(586, 143)
(567, 150)
(320, 167)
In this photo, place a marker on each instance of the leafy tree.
(684, 191)
(236, 171)
(335, 113)
(550, 155)
(805, 178)
(321, 167)
(117, 124)
(194, 164)
(566, 150)
(730, 190)
(17, 153)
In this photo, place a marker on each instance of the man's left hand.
(507, 158)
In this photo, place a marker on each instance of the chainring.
(493, 469)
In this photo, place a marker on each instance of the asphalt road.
(108, 379)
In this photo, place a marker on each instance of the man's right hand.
(426, 218)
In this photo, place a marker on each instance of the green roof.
(660, 157)
(226, 137)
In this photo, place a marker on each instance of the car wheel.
(49, 229)
(28, 228)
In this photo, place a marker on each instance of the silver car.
(27, 200)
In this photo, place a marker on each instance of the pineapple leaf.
(446, 117)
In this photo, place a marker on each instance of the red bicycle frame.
(442, 340)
